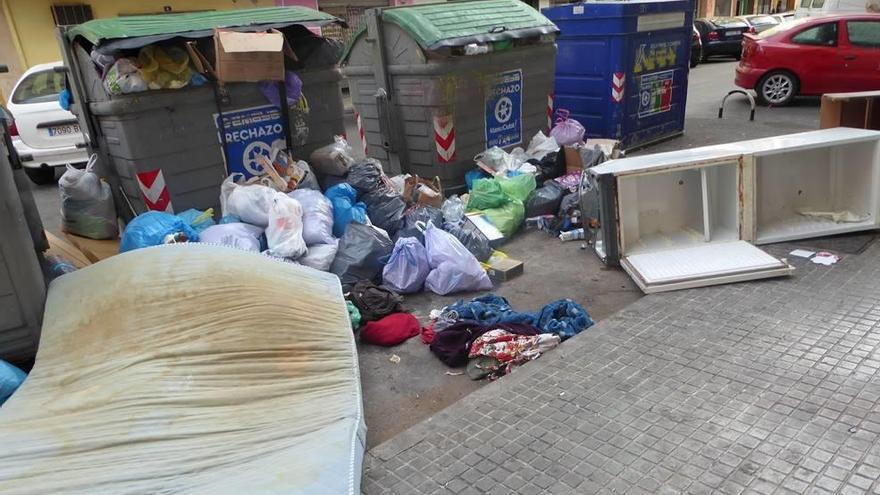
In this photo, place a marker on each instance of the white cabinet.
(682, 219)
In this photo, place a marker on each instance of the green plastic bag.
(508, 217)
(354, 315)
(519, 186)
(486, 193)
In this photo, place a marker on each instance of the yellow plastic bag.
(164, 69)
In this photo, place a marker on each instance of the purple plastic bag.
(566, 131)
(453, 267)
(294, 89)
(408, 266)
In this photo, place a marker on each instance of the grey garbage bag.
(365, 176)
(544, 200)
(471, 238)
(385, 208)
(362, 250)
(419, 214)
(333, 159)
(87, 207)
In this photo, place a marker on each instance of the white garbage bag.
(236, 234)
(250, 203)
(284, 232)
(317, 216)
(320, 256)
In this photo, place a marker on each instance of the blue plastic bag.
(150, 229)
(408, 266)
(10, 379)
(471, 175)
(198, 220)
(345, 208)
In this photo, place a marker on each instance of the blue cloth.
(564, 317)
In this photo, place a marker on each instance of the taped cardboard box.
(244, 57)
(249, 57)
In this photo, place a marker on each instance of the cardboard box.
(422, 191)
(573, 161)
(249, 57)
(504, 269)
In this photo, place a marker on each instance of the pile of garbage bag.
(366, 227)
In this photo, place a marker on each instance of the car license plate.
(734, 32)
(63, 130)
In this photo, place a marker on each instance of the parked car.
(785, 16)
(721, 36)
(44, 134)
(696, 48)
(831, 7)
(760, 22)
(812, 56)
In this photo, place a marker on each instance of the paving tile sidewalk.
(762, 388)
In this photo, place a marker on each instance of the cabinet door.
(702, 265)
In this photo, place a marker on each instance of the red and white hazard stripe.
(549, 111)
(154, 191)
(444, 138)
(618, 81)
(360, 125)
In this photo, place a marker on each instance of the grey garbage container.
(170, 137)
(22, 285)
(435, 84)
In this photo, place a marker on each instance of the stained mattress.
(189, 369)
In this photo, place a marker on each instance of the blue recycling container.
(622, 67)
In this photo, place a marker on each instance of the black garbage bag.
(416, 214)
(544, 200)
(385, 209)
(472, 238)
(361, 254)
(365, 176)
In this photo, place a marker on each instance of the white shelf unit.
(678, 208)
(832, 178)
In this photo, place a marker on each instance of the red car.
(812, 56)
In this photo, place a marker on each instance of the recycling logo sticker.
(247, 133)
(504, 109)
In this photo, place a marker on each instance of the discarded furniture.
(860, 110)
(686, 218)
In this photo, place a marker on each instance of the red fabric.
(428, 334)
(391, 330)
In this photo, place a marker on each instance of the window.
(821, 35)
(805, 3)
(39, 87)
(69, 15)
(864, 33)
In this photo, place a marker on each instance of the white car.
(44, 135)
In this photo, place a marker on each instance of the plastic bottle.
(571, 235)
